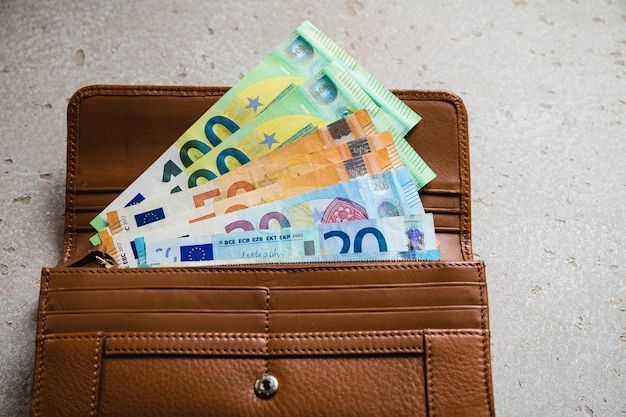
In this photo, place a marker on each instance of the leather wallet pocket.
(348, 339)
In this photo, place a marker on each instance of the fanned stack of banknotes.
(303, 160)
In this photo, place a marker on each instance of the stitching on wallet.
(486, 373)
(349, 350)
(187, 336)
(485, 376)
(96, 371)
(225, 351)
(431, 385)
(484, 343)
(265, 350)
(481, 287)
(371, 335)
(246, 336)
(358, 335)
(70, 337)
(70, 219)
(447, 332)
(465, 203)
(45, 301)
(149, 90)
(41, 357)
(267, 330)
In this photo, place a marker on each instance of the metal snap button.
(266, 386)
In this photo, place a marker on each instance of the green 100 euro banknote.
(303, 53)
(326, 96)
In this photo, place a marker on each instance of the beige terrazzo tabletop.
(544, 85)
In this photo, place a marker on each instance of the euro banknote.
(326, 141)
(304, 52)
(305, 181)
(322, 143)
(384, 195)
(388, 238)
(289, 182)
(402, 117)
(326, 96)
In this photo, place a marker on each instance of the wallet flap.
(401, 338)
(116, 132)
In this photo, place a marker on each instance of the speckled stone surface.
(544, 84)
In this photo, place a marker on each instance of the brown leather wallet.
(339, 339)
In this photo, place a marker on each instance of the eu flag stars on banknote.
(254, 104)
(303, 160)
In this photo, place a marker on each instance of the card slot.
(316, 310)
(444, 192)
(147, 298)
(90, 209)
(94, 200)
(86, 214)
(443, 317)
(372, 310)
(158, 321)
(157, 310)
(99, 190)
(377, 286)
(144, 285)
(376, 297)
(450, 245)
(283, 275)
(438, 202)
(445, 221)
(448, 230)
(321, 319)
(385, 273)
(442, 210)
